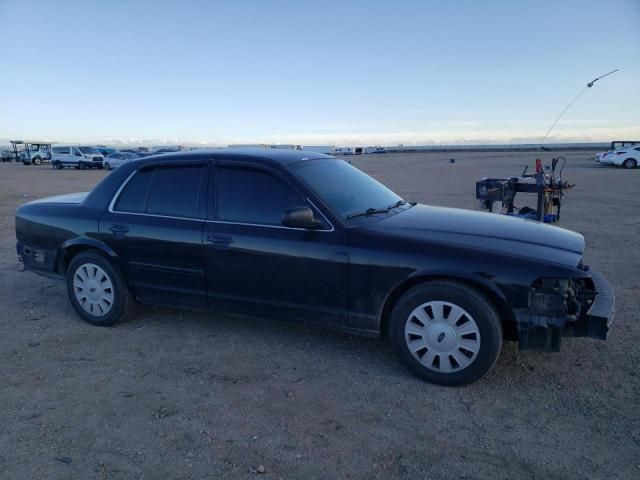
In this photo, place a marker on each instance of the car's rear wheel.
(36, 161)
(97, 290)
(446, 332)
(630, 163)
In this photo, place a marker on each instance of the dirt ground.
(175, 394)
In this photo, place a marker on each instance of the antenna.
(589, 85)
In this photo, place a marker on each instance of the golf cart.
(31, 152)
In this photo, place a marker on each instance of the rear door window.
(172, 191)
(175, 191)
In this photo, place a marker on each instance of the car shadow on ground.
(338, 350)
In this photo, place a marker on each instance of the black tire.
(100, 167)
(630, 163)
(82, 166)
(37, 161)
(122, 305)
(58, 165)
(26, 162)
(483, 314)
(107, 166)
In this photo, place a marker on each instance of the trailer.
(347, 151)
(31, 152)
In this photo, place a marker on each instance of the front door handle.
(221, 242)
(119, 229)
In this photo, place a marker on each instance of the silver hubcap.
(93, 289)
(442, 336)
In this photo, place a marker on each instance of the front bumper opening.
(566, 308)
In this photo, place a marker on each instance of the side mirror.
(300, 217)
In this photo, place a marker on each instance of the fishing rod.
(589, 85)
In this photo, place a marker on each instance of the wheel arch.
(491, 292)
(73, 247)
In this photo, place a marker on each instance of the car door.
(115, 159)
(75, 157)
(155, 225)
(62, 155)
(256, 265)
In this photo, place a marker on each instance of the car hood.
(66, 198)
(486, 231)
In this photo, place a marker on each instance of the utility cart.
(498, 194)
(31, 152)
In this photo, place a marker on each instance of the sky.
(318, 72)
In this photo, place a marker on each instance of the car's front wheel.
(97, 290)
(36, 161)
(446, 332)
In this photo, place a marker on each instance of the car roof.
(34, 142)
(268, 155)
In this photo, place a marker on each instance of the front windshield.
(345, 189)
(89, 150)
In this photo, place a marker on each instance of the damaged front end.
(573, 307)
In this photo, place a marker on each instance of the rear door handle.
(118, 229)
(221, 242)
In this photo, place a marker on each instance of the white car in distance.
(115, 159)
(627, 157)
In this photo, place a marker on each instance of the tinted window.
(175, 191)
(343, 187)
(61, 150)
(253, 196)
(134, 195)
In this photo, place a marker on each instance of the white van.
(77, 156)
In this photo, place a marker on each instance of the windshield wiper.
(373, 211)
(368, 211)
(399, 203)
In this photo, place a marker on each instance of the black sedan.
(308, 237)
